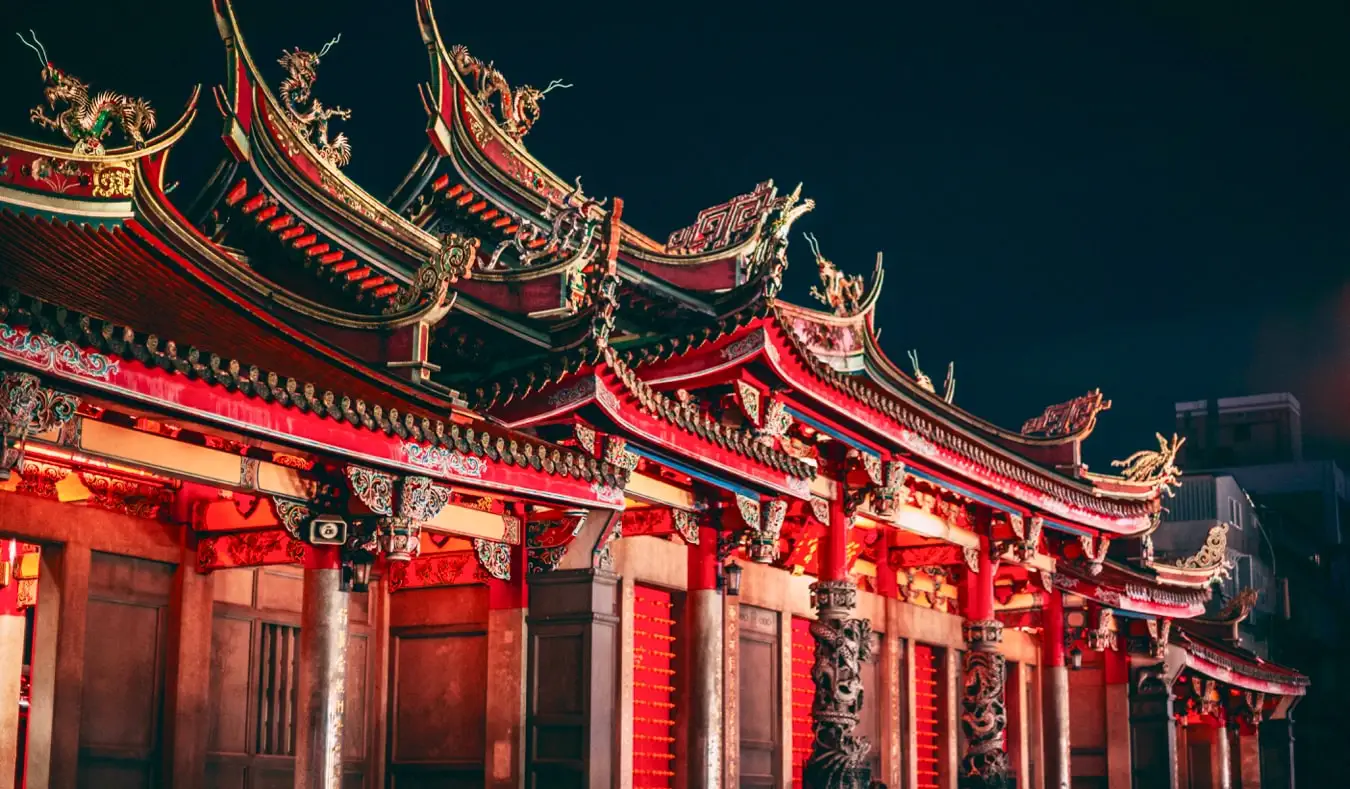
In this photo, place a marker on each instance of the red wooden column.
(508, 604)
(1055, 692)
(984, 765)
(11, 667)
(323, 671)
(703, 618)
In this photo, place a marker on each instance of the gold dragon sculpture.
(839, 291)
(1156, 467)
(87, 120)
(517, 109)
(309, 116)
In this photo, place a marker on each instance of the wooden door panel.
(125, 626)
(254, 678)
(121, 676)
(760, 705)
(231, 653)
(440, 699)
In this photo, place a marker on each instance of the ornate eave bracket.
(1094, 554)
(764, 524)
(28, 409)
(401, 506)
(884, 492)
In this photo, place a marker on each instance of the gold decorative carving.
(925, 383)
(1212, 555)
(1154, 467)
(585, 437)
(87, 120)
(113, 179)
(840, 292)
(749, 397)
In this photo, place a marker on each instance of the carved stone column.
(323, 672)
(984, 714)
(842, 643)
(703, 616)
(1223, 757)
(1153, 735)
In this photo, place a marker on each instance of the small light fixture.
(1075, 658)
(731, 579)
(356, 572)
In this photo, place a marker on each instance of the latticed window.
(653, 688)
(278, 675)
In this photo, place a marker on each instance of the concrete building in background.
(1294, 525)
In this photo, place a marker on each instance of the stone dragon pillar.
(984, 715)
(842, 643)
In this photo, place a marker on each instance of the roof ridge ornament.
(1073, 417)
(769, 257)
(925, 383)
(308, 116)
(517, 109)
(1154, 467)
(842, 292)
(86, 121)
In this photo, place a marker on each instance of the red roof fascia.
(196, 399)
(785, 362)
(1116, 597)
(600, 387)
(1198, 661)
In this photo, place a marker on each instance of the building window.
(278, 680)
(1235, 513)
(1244, 573)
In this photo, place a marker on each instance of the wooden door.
(438, 688)
(121, 707)
(760, 688)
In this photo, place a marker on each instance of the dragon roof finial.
(1157, 468)
(308, 116)
(925, 383)
(516, 109)
(841, 293)
(86, 120)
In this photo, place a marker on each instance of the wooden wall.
(438, 688)
(1087, 724)
(254, 657)
(769, 600)
(125, 636)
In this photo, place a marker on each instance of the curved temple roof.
(484, 230)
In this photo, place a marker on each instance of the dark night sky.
(1151, 198)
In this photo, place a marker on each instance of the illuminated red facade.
(480, 485)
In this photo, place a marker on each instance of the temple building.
(478, 485)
